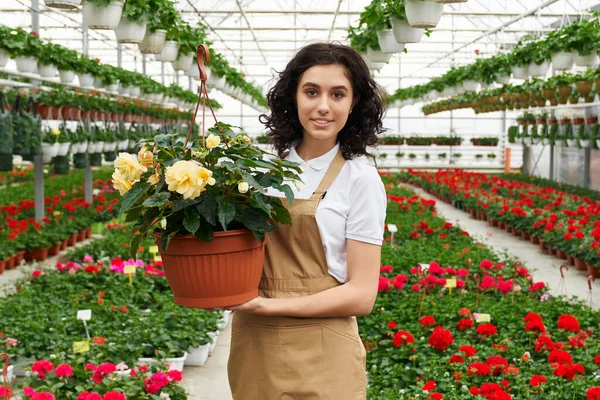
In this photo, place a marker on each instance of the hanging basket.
(110, 156)
(26, 64)
(6, 162)
(96, 159)
(103, 18)
(169, 52)
(63, 4)
(404, 33)
(423, 13)
(520, 72)
(47, 71)
(539, 70)
(66, 76)
(562, 60)
(80, 160)
(388, 43)
(584, 61)
(130, 31)
(221, 273)
(377, 56)
(153, 42)
(4, 57)
(183, 63)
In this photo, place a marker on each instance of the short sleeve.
(368, 202)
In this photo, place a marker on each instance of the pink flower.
(90, 367)
(89, 396)
(28, 391)
(114, 396)
(88, 259)
(43, 396)
(156, 382)
(544, 297)
(5, 393)
(174, 375)
(36, 273)
(63, 370)
(10, 342)
(42, 367)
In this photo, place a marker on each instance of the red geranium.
(537, 380)
(560, 357)
(89, 396)
(497, 364)
(429, 386)
(543, 343)
(440, 338)
(569, 371)
(63, 370)
(392, 325)
(403, 337)
(115, 396)
(536, 325)
(456, 359)
(469, 351)
(568, 323)
(42, 367)
(593, 393)
(465, 323)
(427, 320)
(486, 330)
(479, 368)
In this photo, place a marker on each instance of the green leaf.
(165, 239)
(226, 213)
(135, 244)
(282, 215)
(133, 213)
(157, 200)
(162, 140)
(191, 220)
(205, 232)
(207, 208)
(287, 190)
(179, 205)
(262, 201)
(252, 182)
(133, 195)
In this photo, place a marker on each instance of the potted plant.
(63, 4)
(195, 217)
(423, 13)
(25, 55)
(491, 157)
(162, 18)
(68, 63)
(46, 60)
(102, 14)
(50, 146)
(132, 25)
(412, 156)
(559, 48)
(188, 41)
(577, 132)
(582, 40)
(442, 156)
(478, 157)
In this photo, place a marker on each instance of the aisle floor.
(543, 267)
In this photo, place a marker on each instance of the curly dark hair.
(364, 123)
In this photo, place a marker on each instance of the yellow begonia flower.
(212, 141)
(129, 167)
(188, 179)
(243, 187)
(154, 178)
(145, 157)
(55, 132)
(121, 183)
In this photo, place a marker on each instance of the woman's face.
(324, 99)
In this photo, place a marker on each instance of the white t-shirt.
(353, 208)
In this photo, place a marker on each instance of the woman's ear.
(355, 101)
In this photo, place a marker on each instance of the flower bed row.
(496, 335)
(565, 225)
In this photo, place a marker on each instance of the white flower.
(212, 141)
(122, 366)
(243, 187)
(165, 396)
(163, 223)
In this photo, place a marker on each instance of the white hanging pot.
(220, 82)
(4, 57)
(123, 144)
(434, 94)
(63, 4)
(520, 72)
(123, 89)
(572, 142)
(49, 151)
(63, 149)
(459, 89)
(503, 79)
(107, 17)
(377, 56)
(193, 71)
(584, 61)
(158, 97)
(47, 71)
(112, 88)
(134, 91)
(562, 61)
(169, 52)
(423, 13)
(214, 336)
(584, 144)
(470, 86)
(447, 92)
(388, 42)
(26, 64)
(66, 76)
(153, 42)
(129, 31)
(540, 70)
(183, 63)
(86, 80)
(404, 33)
(98, 83)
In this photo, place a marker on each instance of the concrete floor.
(542, 266)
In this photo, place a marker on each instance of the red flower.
(593, 393)
(486, 264)
(5, 392)
(486, 330)
(42, 367)
(63, 370)
(543, 343)
(456, 359)
(384, 284)
(43, 396)
(597, 359)
(479, 368)
(560, 357)
(403, 337)
(114, 396)
(465, 323)
(36, 273)
(89, 396)
(156, 382)
(386, 268)
(469, 351)
(436, 396)
(440, 338)
(429, 386)
(174, 375)
(497, 364)
(99, 340)
(123, 309)
(537, 286)
(536, 325)
(568, 323)
(537, 380)
(427, 320)
(568, 371)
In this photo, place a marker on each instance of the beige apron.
(275, 358)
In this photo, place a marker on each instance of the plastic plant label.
(424, 266)
(56, 213)
(483, 318)
(153, 249)
(84, 315)
(157, 258)
(81, 347)
(450, 283)
(392, 228)
(130, 269)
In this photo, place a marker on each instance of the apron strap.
(332, 172)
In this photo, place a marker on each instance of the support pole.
(144, 64)
(551, 173)
(38, 165)
(162, 72)
(88, 167)
(119, 55)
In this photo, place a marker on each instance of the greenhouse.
(311, 200)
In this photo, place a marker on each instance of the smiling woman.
(299, 338)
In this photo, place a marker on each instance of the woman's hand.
(250, 306)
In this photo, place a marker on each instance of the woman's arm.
(354, 298)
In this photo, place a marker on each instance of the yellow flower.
(243, 187)
(129, 167)
(121, 183)
(145, 157)
(55, 132)
(187, 178)
(212, 141)
(154, 178)
(207, 176)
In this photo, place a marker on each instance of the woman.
(299, 339)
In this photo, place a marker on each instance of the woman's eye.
(311, 92)
(338, 95)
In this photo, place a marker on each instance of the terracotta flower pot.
(88, 232)
(19, 257)
(543, 246)
(81, 235)
(561, 254)
(534, 239)
(571, 259)
(222, 273)
(36, 255)
(72, 240)
(52, 251)
(525, 235)
(2, 266)
(592, 270)
(580, 265)
(10, 262)
(63, 244)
